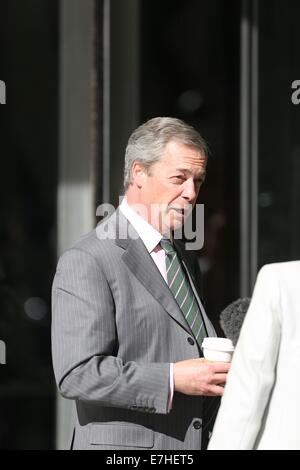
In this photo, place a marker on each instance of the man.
(128, 321)
(260, 408)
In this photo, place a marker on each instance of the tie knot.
(167, 246)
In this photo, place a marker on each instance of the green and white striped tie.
(182, 291)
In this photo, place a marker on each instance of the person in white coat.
(260, 408)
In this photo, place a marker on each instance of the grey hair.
(147, 143)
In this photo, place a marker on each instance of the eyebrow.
(184, 170)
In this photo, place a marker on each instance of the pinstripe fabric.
(115, 329)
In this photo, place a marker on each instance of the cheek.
(175, 192)
(163, 193)
(159, 192)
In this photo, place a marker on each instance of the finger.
(221, 367)
(215, 391)
(219, 379)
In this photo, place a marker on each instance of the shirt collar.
(148, 234)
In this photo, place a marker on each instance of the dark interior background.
(28, 184)
(279, 133)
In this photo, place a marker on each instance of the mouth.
(179, 212)
(183, 211)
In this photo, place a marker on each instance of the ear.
(138, 174)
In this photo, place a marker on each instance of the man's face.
(171, 188)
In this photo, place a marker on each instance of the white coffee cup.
(217, 349)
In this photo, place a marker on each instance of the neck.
(135, 202)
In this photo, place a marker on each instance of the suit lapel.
(145, 270)
(142, 266)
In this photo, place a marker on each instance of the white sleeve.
(251, 376)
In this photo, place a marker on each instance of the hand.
(200, 377)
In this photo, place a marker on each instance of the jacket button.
(191, 341)
(197, 424)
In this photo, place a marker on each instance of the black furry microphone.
(232, 318)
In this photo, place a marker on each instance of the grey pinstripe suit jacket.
(115, 329)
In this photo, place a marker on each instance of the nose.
(189, 191)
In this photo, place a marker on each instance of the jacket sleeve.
(84, 343)
(252, 374)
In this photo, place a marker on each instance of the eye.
(178, 179)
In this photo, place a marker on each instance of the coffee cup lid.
(218, 344)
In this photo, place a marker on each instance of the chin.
(174, 225)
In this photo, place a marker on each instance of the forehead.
(179, 156)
